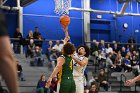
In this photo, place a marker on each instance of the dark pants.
(17, 47)
(105, 86)
(29, 53)
(42, 90)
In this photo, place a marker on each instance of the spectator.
(102, 55)
(50, 45)
(93, 89)
(95, 49)
(102, 79)
(17, 34)
(110, 62)
(17, 45)
(36, 33)
(132, 48)
(30, 35)
(94, 52)
(58, 47)
(123, 52)
(53, 58)
(39, 41)
(115, 48)
(49, 50)
(134, 53)
(41, 85)
(102, 50)
(127, 64)
(135, 65)
(54, 85)
(118, 63)
(129, 55)
(127, 48)
(131, 40)
(109, 49)
(30, 48)
(20, 72)
(38, 59)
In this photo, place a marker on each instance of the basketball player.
(7, 61)
(132, 81)
(64, 69)
(80, 62)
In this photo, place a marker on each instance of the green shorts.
(67, 85)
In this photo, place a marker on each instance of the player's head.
(68, 49)
(83, 50)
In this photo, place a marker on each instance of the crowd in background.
(111, 56)
(33, 43)
(114, 57)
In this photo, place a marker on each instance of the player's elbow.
(58, 68)
(82, 64)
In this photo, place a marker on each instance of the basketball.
(64, 20)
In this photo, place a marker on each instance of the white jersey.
(78, 71)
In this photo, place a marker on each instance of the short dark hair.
(68, 49)
(87, 50)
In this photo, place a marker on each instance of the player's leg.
(8, 64)
(65, 86)
(73, 87)
(79, 85)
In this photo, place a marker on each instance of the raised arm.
(81, 63)
(65, 29)
(67, 37)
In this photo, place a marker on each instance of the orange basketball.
(64, 20)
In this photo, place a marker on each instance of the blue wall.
(49, 25)
(11, 18)
(51, 29)
(116, 31)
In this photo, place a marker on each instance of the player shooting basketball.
(80, 62)
(64, 68)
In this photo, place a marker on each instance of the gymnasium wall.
(11, 18)
(115, 30)
(41, 14)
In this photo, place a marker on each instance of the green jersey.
(66, 69)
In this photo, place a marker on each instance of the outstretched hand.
(48, 84)
(129, 82)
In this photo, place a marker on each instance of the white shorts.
(79, 84)
(58, 87)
